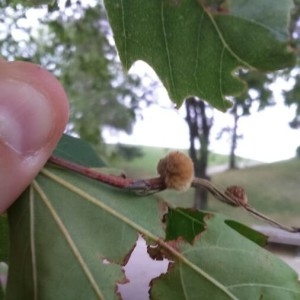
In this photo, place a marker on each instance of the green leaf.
(77, 151)
(221, 264)
(3, 238)
(273, 14)
(32, 3)
(251, 234)
(69, 236)
(189, 223)
(180, 224)
(195, 50)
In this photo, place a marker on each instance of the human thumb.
(33, 115)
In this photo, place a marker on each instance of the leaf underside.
(240, 266)
(195, 50)
(70, 236)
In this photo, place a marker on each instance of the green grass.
(273, 189)
(141, 166)
(146, 165)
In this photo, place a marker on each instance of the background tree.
(200, 120)
(292, 98)
(292, 95)
(258, 92)
(199, 117)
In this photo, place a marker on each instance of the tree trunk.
(199, 127)
(234, 138)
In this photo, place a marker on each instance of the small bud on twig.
(238, 193)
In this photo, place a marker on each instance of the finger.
(33, 115)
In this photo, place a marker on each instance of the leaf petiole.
(140, 186)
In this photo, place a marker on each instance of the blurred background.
(132, 123)
(130, 119)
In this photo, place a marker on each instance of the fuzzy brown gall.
(177, 171)
(238, 193)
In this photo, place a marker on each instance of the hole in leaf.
(3, 275)
(140, 270)
(105, 261)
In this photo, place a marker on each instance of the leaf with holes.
(220, 263)
(70, 236)
(195, 46)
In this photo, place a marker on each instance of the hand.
(33, 115)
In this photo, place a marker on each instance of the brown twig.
(269, 220)
(140, 186)
(235, 201)
(156, 184)
(217, 193)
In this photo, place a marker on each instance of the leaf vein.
(220, 71)
(240, 285)
(141, 230)
(124, 34)
(167, 49)
(32, 243)
(182, 283)
(211, 248)
(198, 54)
(69, 240)
(227, 47)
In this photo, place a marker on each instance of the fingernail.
(26, 117)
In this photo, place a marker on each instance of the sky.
(267, 136)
